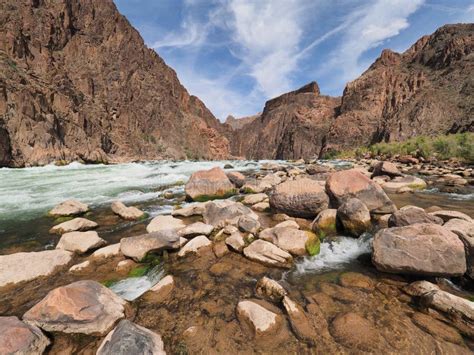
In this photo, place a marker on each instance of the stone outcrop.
(64, 99)
(17, 337)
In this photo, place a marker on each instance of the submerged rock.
(138, 247)
(17, 337)
(300, 322)
(421, 249)
(19, 267)
(130, 338)
(209, 184)
(268, 254)
(256, 318)
(354, 216)
(194, 245)
(84, 307)
(74, 225)
(164, 287)
(69, 208)
(410, 215)
(128, 213)
(80, 242)
(299, 198)
(162, 223)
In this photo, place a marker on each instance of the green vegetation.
(248, 190)
(443, 147)
(313, 244)
(108, 283)
(138, 271)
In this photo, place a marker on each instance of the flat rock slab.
(268, 254)
(69, 208)
(194, 245)
(421, 249)
(258, 319)
(17, 337)
(130, 338)
(84, 307)
(161, 223)
(128, 213)
(77, 224)
(19, 267)
(138, 247)
(80, 242)
(254, 198)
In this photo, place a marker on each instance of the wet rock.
(220, 249)
(130, 338)
(436, 328)
(17, 337)
(386, 168)
(236, 241)
(209, 184)
(447, 215)
(128, 213)
(261, 207)
(268, 254)
(422, 249)
(258, 319)
(270, 289)
(300, 323)
(238, 179)
(221, 213)
(108, 251)
(80, 267)
(161, 223)
(254, 198)
(194, 245)
(346, 184)
(248, 224)
(138, 247)
(355, 279)
(196, 209)
(69, 208)
(354, 331)
(411, 215)
(80, 242)
(325, 223)
(300, 198)
(354, 216)
(19, 267)
(289, 239)
(408, 181)
(195, 229)
(84, 307)
(465, 231)
(74, 225)
(452, 180)
(161, 291)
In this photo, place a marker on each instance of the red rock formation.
(78, 82)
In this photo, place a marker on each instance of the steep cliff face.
(426, 90)
(78, 82)
(291, 126)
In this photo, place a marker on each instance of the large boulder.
(19, 267)
(325, 223)
(254, 198)
(421, 249)
(17, 337)
(138, 247)
(385, 168)
(128, 213)
(238, 179)
(78, 224)
(225, 212)
(354, 217)
(69, 208)
(162, 223)
(346, 184)
(410, 215)
(446, 215)
(256, 318)
(289, 239)
(84, 307)
(80, 242)
(209, 184)
(268, 254)
(195, 245)
(130, 338)
(299, 198)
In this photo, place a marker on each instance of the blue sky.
(236, 54)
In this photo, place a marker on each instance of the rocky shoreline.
(226, 255)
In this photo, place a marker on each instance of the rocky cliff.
(78, 82)
(425, 90)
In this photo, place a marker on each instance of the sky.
(236, 54)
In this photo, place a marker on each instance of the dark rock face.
(426, 90)
(78, 82)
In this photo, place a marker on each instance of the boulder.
(195, 229)
(108, 251)
(408, 181)
(138, 247)
(255, 187)
(209, 184)
(261, 207)
(386, 168)
(421, 249)
(19, 267)
(465, 231)
(69, 208)
(17, 337)
(80, 242)
(238, 179)
(354, 217)
(84, 307)
(314, 169)
(346, 184)
(194, 245)
(325, 223)
(270, 289)
(259, 320)
(128, 213)
(195, 209)
(289, 223)
(289, 239)
(162, 223)
(271, 179)
(411, 215)
(268, 254)
(300, 322)
(447, 215)
(221, 213)
(299, 198)
(248, 224)
(236, 241)
(254, 198)
(130, 338)
(74, 225)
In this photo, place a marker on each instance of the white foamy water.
(30, 192)
(336, 254)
